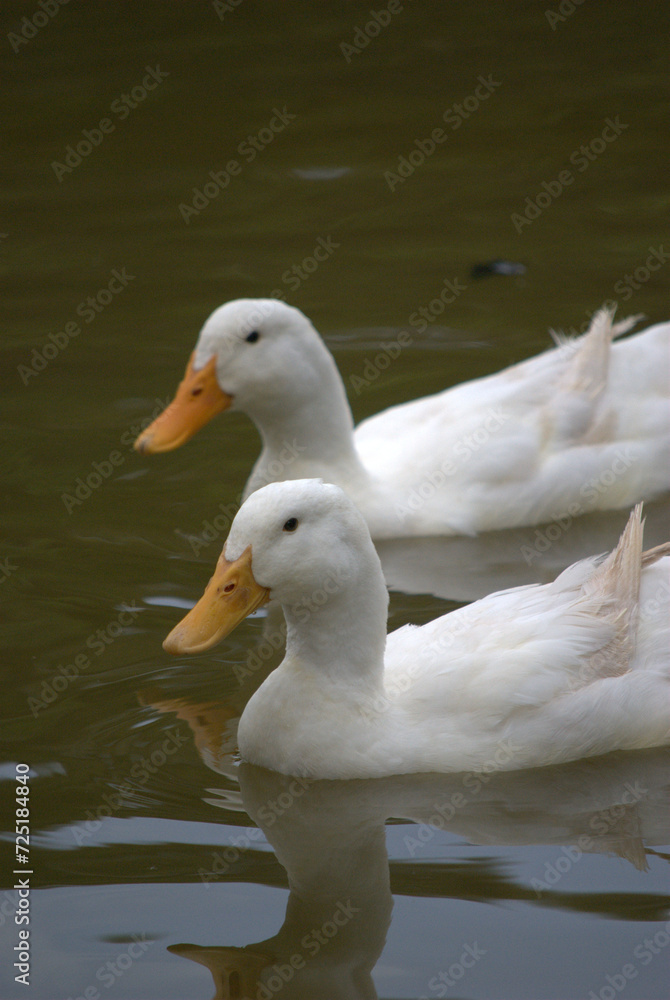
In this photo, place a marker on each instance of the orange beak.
(197, 400)
(229, 597)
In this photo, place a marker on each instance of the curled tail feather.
(616, 582)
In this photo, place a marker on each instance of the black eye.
(253, 337)
(291, 524)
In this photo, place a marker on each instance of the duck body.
(523, 678)
(582, 427)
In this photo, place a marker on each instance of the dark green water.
(134, 795)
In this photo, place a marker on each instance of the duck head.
(302, 543)
(254, 355)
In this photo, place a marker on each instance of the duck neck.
(337, 632)
(307, 422)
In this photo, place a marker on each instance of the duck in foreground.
(523, 678)
(582, 427)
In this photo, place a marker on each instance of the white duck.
(525, 677)
(583, 427)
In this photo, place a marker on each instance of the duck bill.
(198, 399)
(229, 597)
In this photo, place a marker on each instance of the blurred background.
(159, 159)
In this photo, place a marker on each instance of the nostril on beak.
(229, 588)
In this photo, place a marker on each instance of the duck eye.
(291, 524)
(253, 337)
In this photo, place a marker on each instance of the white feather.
(584, 426)
(526, 677)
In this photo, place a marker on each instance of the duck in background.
(582, 427)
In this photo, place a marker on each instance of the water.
(150, 849)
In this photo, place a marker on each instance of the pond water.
(160, 868)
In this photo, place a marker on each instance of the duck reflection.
(330, 838)
(467, 569)
(214, 722)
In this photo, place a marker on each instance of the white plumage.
(525, 677)
(584, 426)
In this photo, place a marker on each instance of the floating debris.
(321, 173)
(507, 267)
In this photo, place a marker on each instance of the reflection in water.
(330, 838)
(213, 724)
(466, 569)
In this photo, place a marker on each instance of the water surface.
(134, 787)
